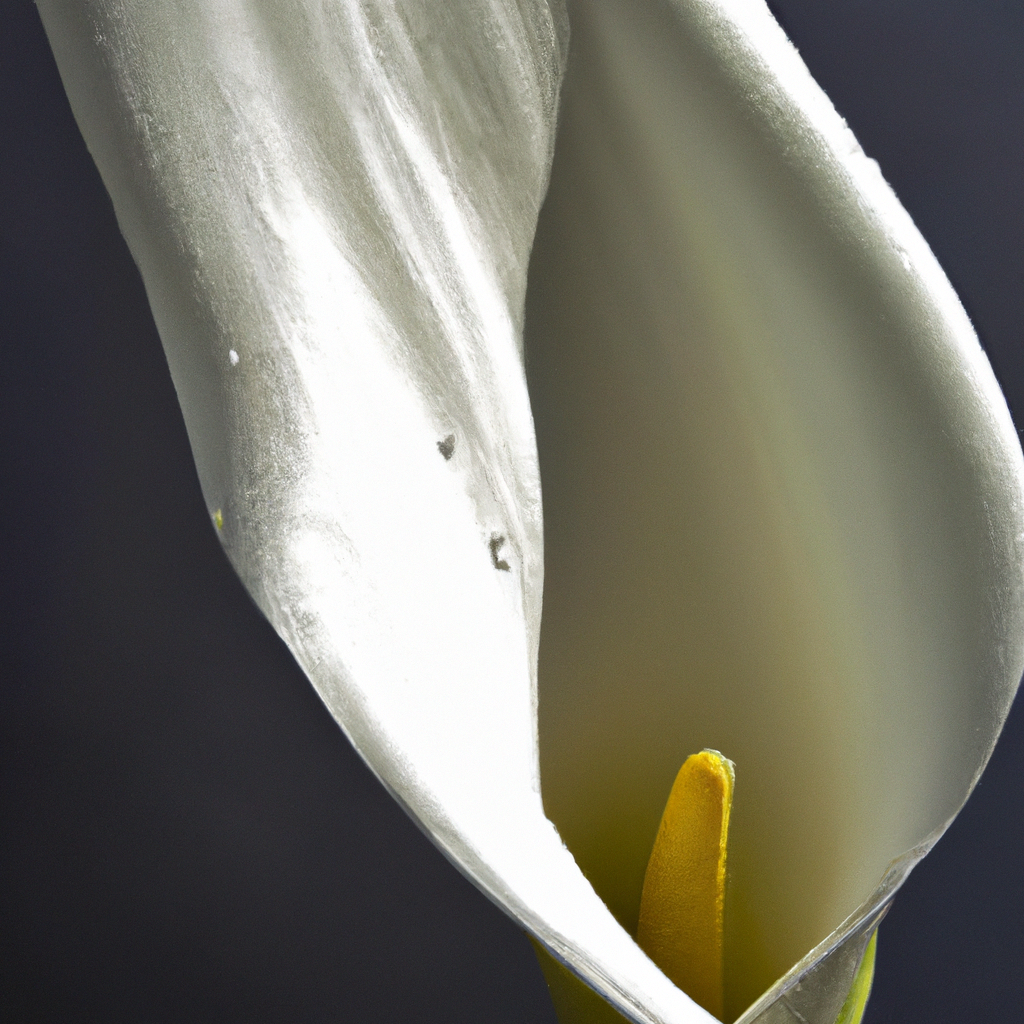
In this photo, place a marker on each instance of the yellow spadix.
(682, 908)
(683, 913)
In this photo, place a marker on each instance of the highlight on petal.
(332, 207)
(782, 493)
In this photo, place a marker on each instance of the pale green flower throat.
(683, 904)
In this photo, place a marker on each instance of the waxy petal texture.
(333, 206)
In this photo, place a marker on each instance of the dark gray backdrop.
(185, 833)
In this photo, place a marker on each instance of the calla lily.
(782, 495)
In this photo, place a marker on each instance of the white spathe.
(782, 491)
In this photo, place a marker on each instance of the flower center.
(682, 908)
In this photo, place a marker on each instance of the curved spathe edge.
(770, 53)
(855, 930)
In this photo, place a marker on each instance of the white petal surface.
(332, 205)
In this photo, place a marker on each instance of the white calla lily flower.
(782, 495)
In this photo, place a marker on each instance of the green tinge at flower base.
(857, 1001)
(782, 494)
(577, 1003)
(684, 907)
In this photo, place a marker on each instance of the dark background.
(185, 833)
